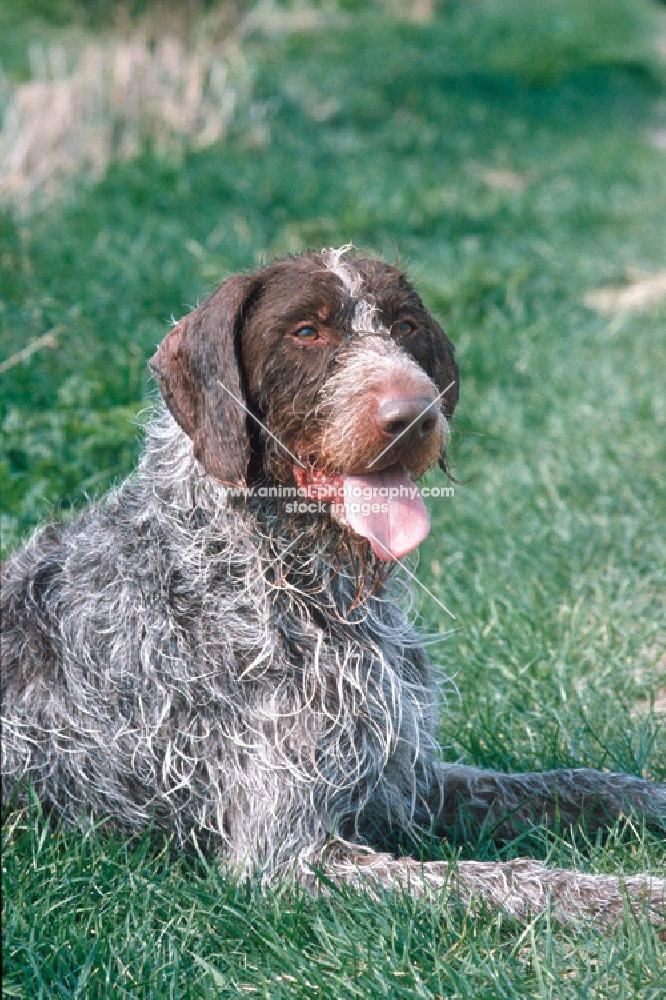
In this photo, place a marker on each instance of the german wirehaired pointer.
(203, 651)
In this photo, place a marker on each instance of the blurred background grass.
(512, 156)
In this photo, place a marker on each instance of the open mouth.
(385, 506)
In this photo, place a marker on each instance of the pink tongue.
(400, 521)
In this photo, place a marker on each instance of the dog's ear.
(442, 366)
(198, 370)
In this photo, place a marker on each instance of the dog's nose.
(414, 418)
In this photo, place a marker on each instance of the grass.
(92, 916)
(505, 156)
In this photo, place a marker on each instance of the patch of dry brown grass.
(504, 179)
(641, 293)
(172, 81)
(166, 87)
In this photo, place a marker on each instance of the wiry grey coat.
(159, 665)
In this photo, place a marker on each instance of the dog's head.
(314, 370)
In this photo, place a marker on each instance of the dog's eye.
(306, 334)
(403, 328)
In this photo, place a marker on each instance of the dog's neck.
(318, 558)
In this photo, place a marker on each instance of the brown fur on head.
(273, 343)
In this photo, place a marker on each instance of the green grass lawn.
(503, 154)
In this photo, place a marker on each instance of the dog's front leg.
(521, 888)
(508, 803)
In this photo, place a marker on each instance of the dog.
(219, 647)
